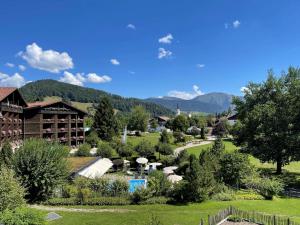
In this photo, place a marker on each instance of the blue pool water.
(136, 183)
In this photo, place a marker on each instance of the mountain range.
(215, 102)
(207, 103)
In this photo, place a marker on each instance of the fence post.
(209, 220)
(288, 221)
(274, 220)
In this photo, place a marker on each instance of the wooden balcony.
(11, 108)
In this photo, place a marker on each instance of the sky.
(139, 48)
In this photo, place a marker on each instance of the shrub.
(104, 150)
(224, 196)
(22, 216)
(100, 186)
(179, 192)
(268, 188)
(156, 200)
(89, 201)
(11, 193)
(235, 167)
(69, 191)
(125, 150)
(145, 148)
(235, 219)
(83, 194)
(178, 136)
(41, 167)
(164, 137)
(158, 183)
(84, 150)
(6, 154)
(140, 195)
(119, 188)
(92, 138)
(118, 163)
(164, 149)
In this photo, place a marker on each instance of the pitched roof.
(41, 104)
(6, 91)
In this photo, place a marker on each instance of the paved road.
(190, 145)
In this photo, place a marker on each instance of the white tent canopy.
(96, 169)
(174, 178)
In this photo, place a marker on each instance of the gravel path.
(62, 209)
(237, 223)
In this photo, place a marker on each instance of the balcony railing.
(11, 107)
(63, 129)
(48, 120)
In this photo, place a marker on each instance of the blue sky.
(148, 48)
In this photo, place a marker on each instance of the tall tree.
(138, 119)
(180, 123)
(104, 120)
(269, 119)
(6, 154)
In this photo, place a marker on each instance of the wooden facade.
(53, 121)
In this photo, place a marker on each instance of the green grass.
(229, 146)
(180, 215)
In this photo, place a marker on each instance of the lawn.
(180, 215)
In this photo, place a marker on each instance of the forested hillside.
(38, 90)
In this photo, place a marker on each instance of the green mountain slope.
(38, 90)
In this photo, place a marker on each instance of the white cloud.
(48, 60)
(236, 24)
(115, 62)
(186, 95)
(11, 65)
(200, 65)
(166, 39)
(80, 78)
(22, 67)
(94, 78)
(15, 80)
(70, 78)
(244, 89)
(163, 53)
(131, 26)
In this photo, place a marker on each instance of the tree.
(164, 149)
(6, 154)
(84, 150)
(154, 124)
(92, 138)
(125, 150)
(269, 119)
(218, 148)
(138, 119)
(41, 167)
(158, 183)
(202, 133)
(11, 192)
(235, 167)
(145, 149)
(104, 120)
(164, 137)
(178, 136)
(180, 123)
(221, 128)
(104, 150)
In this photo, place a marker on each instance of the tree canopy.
(269, 119)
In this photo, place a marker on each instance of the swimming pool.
(136, 183)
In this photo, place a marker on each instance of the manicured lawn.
(229, 146)
(180, 215)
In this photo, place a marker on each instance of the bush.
(268, 188)
(41, 167)
(178, 136)
(84, 150)
(158, 183)
(145, 149)
(155, 200)
(140, 195)
(119, 188)
(11, 193)
(92, 138)
(6, 155)
(125, 150)
(89, 201)
(164, 137)
(235, 219)
(118, 164)
(100, 186)
(22, 216)
(164, 149)
(69, 191)
(104, 150)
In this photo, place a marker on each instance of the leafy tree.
(104, 150)
(11, 192)
(41, 167)
(84, 150)
(178, 136)
(164, 137)
(158, 183)
(92, 138)
(202, 133)
(125, 150)
(235, 167)
(270, 119)
(104, 120)
(153, 123)
(180, 123)
(145, 149)
(164, 149)
(138, 119)
(221, 128)
(6, 154)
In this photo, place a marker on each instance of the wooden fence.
(255, 217)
